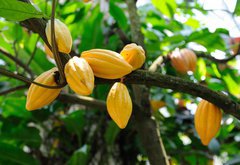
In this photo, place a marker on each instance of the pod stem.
(54, 46)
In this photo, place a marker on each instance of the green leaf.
(15, 155)
(22, 134)
(201, 71)
(118, 15)
(92, 36)
(74, 122)
(232, 85)
(167, 7)
(111, 133)
(15, 106)
(18, 11)
(193, 23)
(237, 8)
(80, 156)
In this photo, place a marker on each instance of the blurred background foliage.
(75, 134)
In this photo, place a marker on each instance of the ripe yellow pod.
(183, 60)
(207, 121)
(86, 1)
(134, 55)
(156, 104)
(48, 51)
(62, 34)
(79, 76)
(119, 104)
(38, 96)
(106, 63)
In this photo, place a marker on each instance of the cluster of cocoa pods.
(80, 72)
(107, 64)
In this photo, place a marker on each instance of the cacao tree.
(96, 82)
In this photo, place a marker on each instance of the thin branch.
(201, 54)
(19, 62)
(13, 89)
(27, 80)
(87, 101)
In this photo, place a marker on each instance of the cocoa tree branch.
(87, 101)
(165, 81)
(181, 85)
(13, 89)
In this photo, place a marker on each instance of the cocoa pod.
(38, 96)
(207, 121)
(48, 51)
(183, 60)
(119, 104)
(134, 55)
(62, 35)
(79, 76)
(106, 63)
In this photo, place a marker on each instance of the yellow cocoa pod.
(207, 121)
(79, 76)
(183, 60)
(156, 104)
(62, 34)
(48, 51)
(38, 96)
(86, 1)
(134, 55)
(119, 104)
(106, 63)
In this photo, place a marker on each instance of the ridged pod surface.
(207, 121)
(106, 63)
(48, 51)
(184, 60)
(38, 96)
(134, 55)
(119, 104)
(79, 76)
(62, 34)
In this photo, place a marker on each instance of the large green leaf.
(232, 85)
(18, 11)
(167, 7)
(14, 155)
(80, 156)
(118, 15)
(111, 133)
(21, 134)
(15, 106)
(74, 122)
(237, 8)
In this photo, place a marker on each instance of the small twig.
(33, 53)
(16, 54)
(13, 89)
(19, 62)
